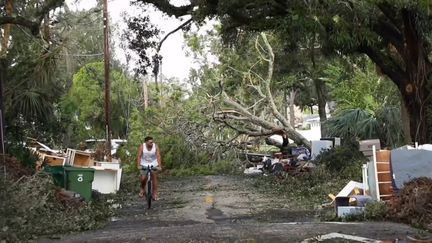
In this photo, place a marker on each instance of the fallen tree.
(263, 117)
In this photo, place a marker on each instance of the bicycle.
(149, 185)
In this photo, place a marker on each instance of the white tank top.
(149, 156)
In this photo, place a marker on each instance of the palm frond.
(353, 122)
(391, 126)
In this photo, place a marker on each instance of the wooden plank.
(382, 166)
(384, 177)
(383, 156)
(385, 189)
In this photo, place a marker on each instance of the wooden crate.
(78, 158)
(52, 160)
(82, 159)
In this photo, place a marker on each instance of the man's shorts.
(143, 170)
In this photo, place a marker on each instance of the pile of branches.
(33, 206)
(413, 204)
(13, 168)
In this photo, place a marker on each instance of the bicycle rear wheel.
(149, 194)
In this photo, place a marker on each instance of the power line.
(44, 48)
(82, 55)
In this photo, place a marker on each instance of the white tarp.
(408, 164)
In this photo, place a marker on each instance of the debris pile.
(33, 206)
(13, 168)
(413, 204)
(106, 177)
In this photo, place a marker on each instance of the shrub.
(376, 211)
(27, 157)
(343, 161)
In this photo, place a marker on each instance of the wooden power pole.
(107, 81)
(145, 93)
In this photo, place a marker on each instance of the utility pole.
(107, 81)
(145, 93)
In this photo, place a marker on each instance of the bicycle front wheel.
(149, 194)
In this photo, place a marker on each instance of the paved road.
(228, 209)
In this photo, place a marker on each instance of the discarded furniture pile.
(297, 161)
(401, 177)
(78, 172)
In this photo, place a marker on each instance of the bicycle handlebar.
(151, 167)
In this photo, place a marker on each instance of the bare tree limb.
(266, 54)
(186, 23)
(254, 119)
(240, 131)
(268, 80)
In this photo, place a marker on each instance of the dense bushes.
(344, 161)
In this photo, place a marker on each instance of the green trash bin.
(57, 172)
(80, 181)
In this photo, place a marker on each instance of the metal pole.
(2, 144)
(145, 93)
(107, 81)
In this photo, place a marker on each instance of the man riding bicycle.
(148, 154)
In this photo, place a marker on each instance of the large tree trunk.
(292, 108)
(405, 61)
(405, 122)
(319, 86)
(417, 112)
(320, 91)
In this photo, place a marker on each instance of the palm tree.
(361, 124)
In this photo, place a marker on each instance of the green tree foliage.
(32, 87)
(38, 66)
(367, 104)
(85, 101)
(357, 85)
(190, 143)
(394, 34)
